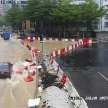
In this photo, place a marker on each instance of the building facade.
(5, 5)
(78, 2)
(103, 24)
(2, 7)
(21, 3)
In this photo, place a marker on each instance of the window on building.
(10, 2)
(106, 6)
(2, 2)
(106, 16)
(105, 24)
(78, 0)
(23, 2)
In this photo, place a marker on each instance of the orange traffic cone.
(28, 78)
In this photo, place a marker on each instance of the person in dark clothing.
(32, 34)
(48, 80)
(22, 34)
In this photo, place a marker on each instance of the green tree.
(53, 13)
(15, 16)
(84, 14)
(2, 21)
(91, 12)
(39, 11)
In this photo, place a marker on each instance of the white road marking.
(104, 77)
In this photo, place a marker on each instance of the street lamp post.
(101, 4)
(41, 30)
(42, 44)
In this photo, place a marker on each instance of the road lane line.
(104, 77)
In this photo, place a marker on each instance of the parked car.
(5, 70)
(7, 35)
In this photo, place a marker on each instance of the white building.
(7, 4)
(103, 24)
(21, 3)
(77, 2)
(1, 10)
(2, 7)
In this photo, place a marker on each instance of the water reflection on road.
(14, 92)
(88, 70)
(12, 51)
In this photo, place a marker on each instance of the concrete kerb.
(71, 90)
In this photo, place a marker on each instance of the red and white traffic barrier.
(53, 54)
(62, 52)
(80, 41)
(66, 39)
(63, 39)
(85, 41)
(28, 38)
(58, 52)
(56, 39)
(90, 41)
(66, 50)
(77, 44)
(70, 47)
(34, 38)
(73, 45)
(50, 39)
(72, 40)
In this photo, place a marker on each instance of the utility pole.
(41, 33)
(101, 4)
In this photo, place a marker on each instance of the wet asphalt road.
(12, 51)
(14, 92)
(88, 70)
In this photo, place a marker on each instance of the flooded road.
(12, 51)
(88, 71)
(14, 92)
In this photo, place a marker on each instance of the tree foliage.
(57, 12)
(63, 11)
(2, 21)
(91, 12)
(15, 16)
(79, 14)
(37, 9)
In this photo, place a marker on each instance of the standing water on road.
(88, 71)
(14, 92)
(12, 51)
